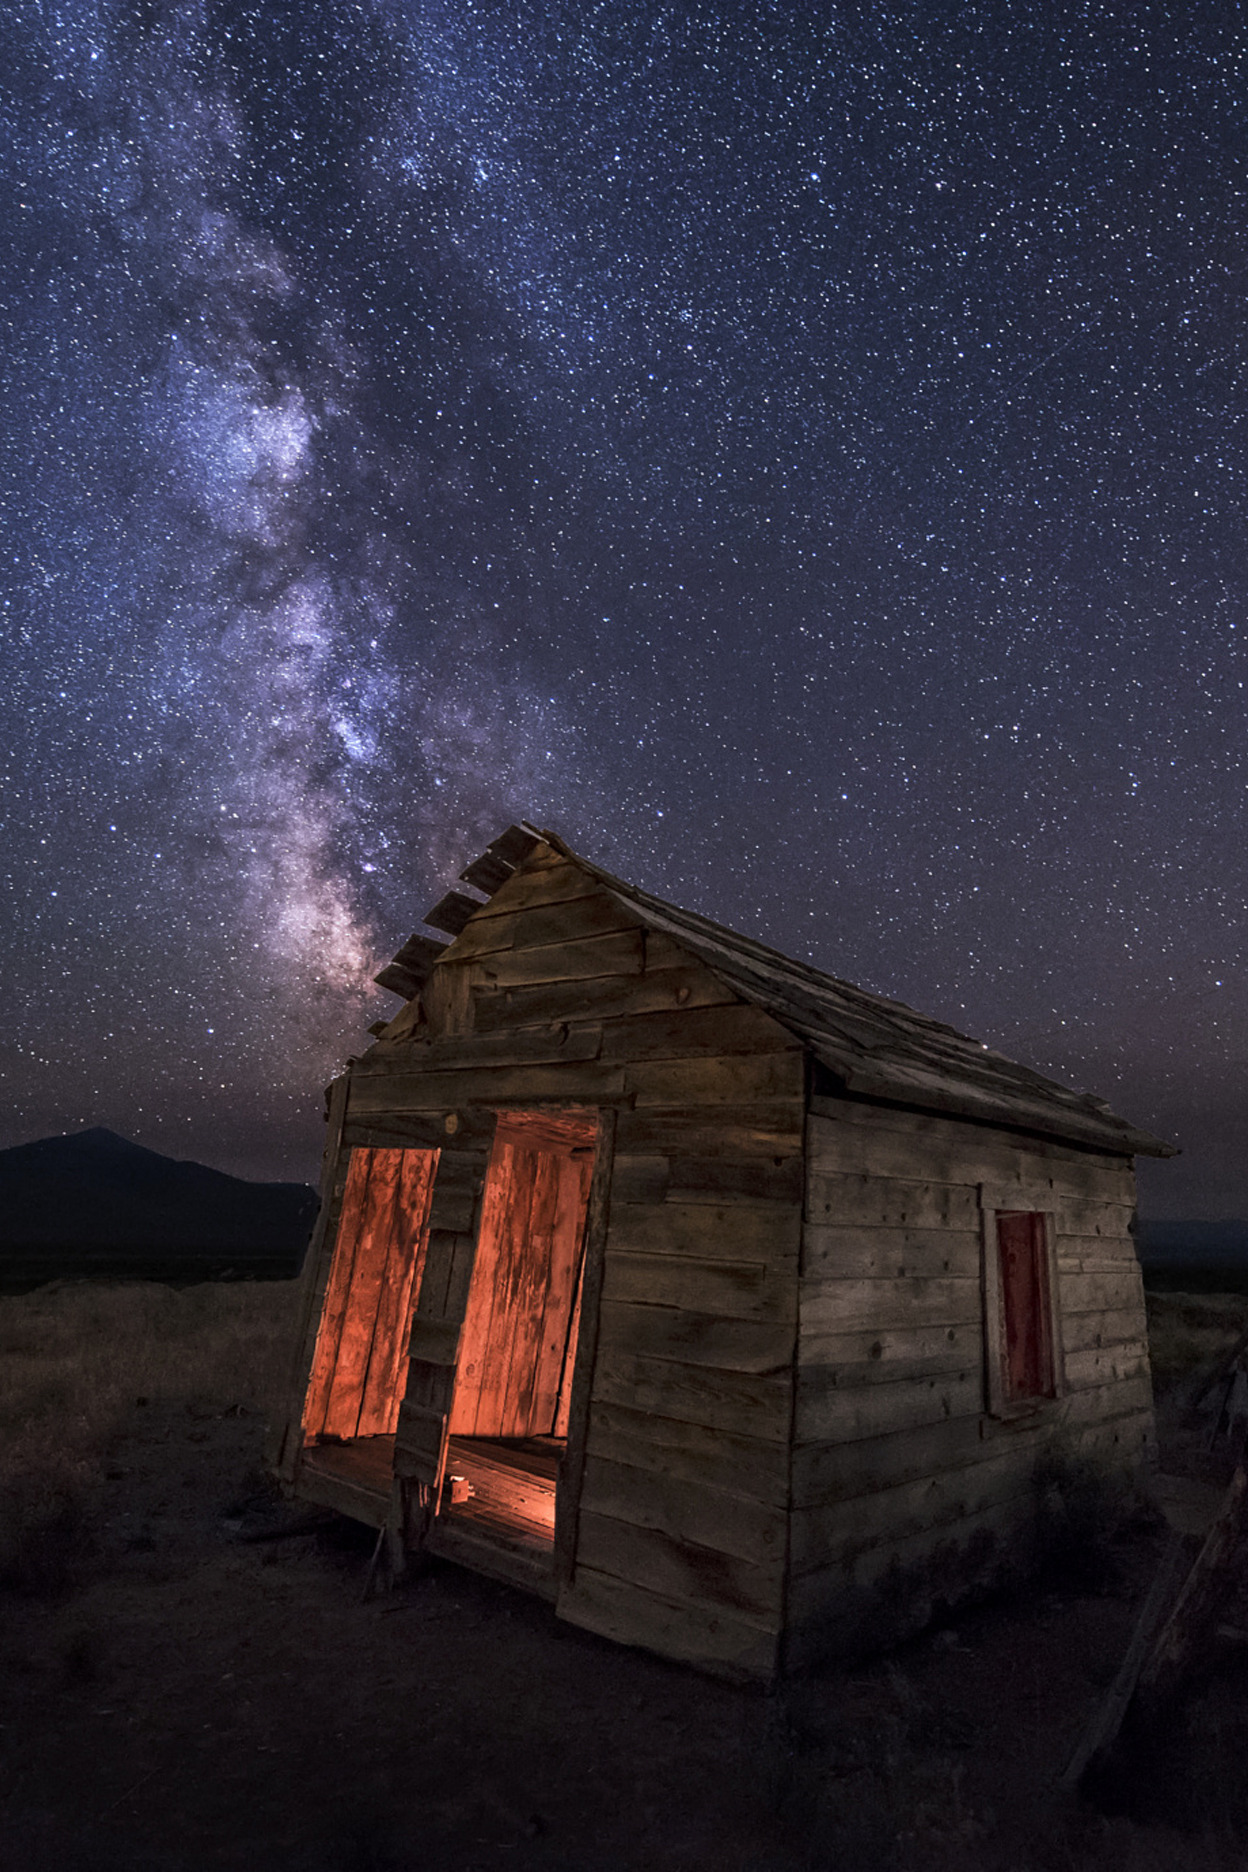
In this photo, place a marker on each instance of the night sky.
(795, 451)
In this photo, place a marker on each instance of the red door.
(1027, 1328)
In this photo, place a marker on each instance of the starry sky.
(795, 451)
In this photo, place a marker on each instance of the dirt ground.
(178, 1691)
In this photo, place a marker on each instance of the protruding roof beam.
(451, 912)
(407, 974)
(487, 873)
(514, 845)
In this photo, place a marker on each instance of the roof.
(877, 1047)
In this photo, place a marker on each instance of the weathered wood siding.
(906, 1492)
(553, 995)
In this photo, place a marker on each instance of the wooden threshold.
(506, 1527)
(352, 1478)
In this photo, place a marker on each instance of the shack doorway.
(508, 1425)
(359, 1367)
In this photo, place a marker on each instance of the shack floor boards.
(505, 1528)
(354, 1478)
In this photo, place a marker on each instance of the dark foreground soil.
(192, 1697)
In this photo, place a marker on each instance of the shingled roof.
(876, 1047)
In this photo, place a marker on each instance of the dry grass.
(1189, 1332)
(75, 1357)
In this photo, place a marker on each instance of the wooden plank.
(827, 1473)
(534, 1270)
(1117, 1326)
(436, 1341)
(966, 1154)
(400, 1282)
(868, 1356)
(602, 998)
(687, 1510)
(847, 1305)
(1108, 1224)
(535, 885)
(890, 1592)
(885, 1202)
(833, 1251)
(459, 1052)
(732, 1133)
(686, 1033)
(826, 1412)
(1217, 1571)
(621, 953)
(734, 1079)
(361, 1343)
(938, 1127)
(1122, 1398)
(1082, 1254)
(759, 1406)
(839, 1472)
(585, 1365)
(336, 1303)
(487, 873)
(1082, 1171)
(777, 1179)
(1108, 1364)
(401, 981)
(345, 1497)
(696, 1576)
(664, 952)
(560, 1321)
(452, 911)
(419, 1440)
(499, 1292)
(690, 1452)
(575, 1083)
(539, 927)
(446, 999)
(696, 1338)
(417, 1130)
(744, 1230)
(421, 1433)
(521, 845)
(450, 1539)
(1099, 1293)
(821, 1535)
(1107, 1719)
(743, 1290)
(719, 1642)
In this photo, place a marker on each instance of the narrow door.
(359, 1365)
(509, 1413)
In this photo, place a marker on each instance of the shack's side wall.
(907, 1494)
(554, 995)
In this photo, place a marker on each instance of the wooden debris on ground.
(1174, 1632)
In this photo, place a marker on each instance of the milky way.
(798, 452)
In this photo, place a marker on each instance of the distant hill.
(1193, 1241)
(1201, 1257)
(93, 1203)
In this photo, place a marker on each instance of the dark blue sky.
(797, 452)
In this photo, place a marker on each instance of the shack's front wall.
(907, 1493)
(553, 995)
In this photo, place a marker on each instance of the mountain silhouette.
(93, 1194)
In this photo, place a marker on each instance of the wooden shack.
(732, 1308)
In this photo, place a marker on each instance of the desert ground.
(192, 1678)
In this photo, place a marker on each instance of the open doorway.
(508, 1425)
(359, 1367)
